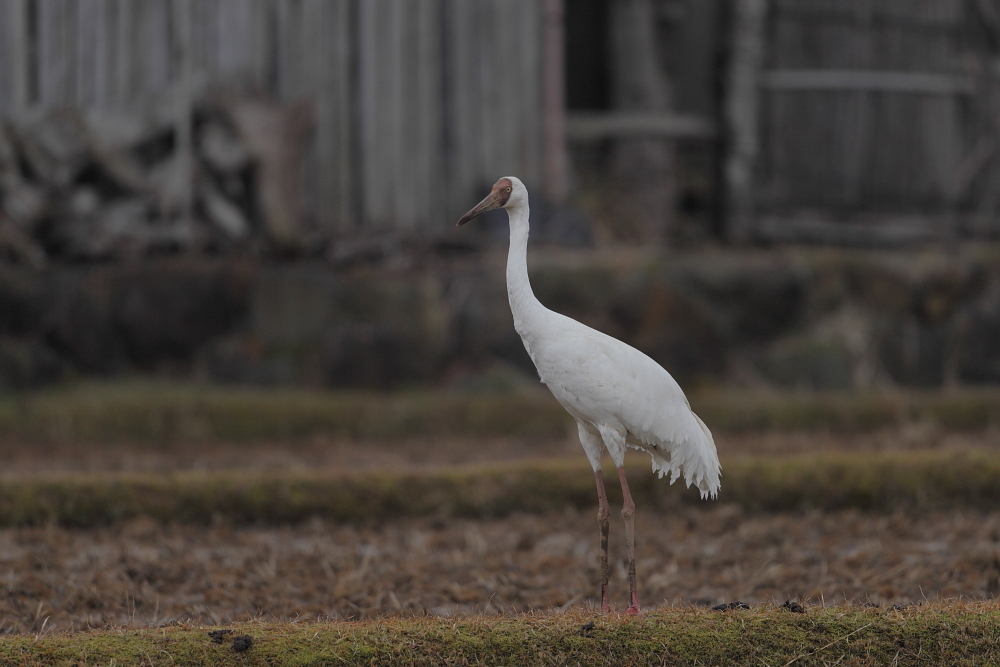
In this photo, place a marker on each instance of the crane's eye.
(508, 189)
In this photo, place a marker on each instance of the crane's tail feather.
(692, 456)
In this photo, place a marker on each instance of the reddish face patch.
(503, 188)
(496, 199)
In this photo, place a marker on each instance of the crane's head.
(507, 192)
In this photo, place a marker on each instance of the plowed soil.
(144, 574)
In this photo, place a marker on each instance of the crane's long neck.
(523, 304)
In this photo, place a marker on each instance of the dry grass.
(315, 505)
(156, 413)
(872, 482)
(954, 634)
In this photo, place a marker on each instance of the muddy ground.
(145, 574)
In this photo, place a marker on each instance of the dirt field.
(144, 574)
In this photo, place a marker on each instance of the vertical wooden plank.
(52, 60)
(25, 68)
(429, 140)
(290, 56)
(124, 56)
(380, 29)
(154, 47)
(6, 57)
(530, 136)
(406, 101)
(401, 152)
(856, 111)
(184, 20)
(234, 50)
(345, 161)
(554, 104)
(508, 40)
(104, 71)
(312, 15)
(406, 115)
(69, 50)
(390, 114)
(490, 97)
(88, 20)
(940, 121)
(465, 158)
(742, 109)
(326, 35)
(371, 206)
(447, 105)
(15, 57)
(263, 31)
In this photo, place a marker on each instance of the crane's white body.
(619, 396)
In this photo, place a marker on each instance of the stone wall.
(824, 319)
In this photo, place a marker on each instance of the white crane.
(618, 396)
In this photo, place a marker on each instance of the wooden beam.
(887, 231)
(836, 80)
(592, 126)
(896, 13)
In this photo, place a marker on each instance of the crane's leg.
(603, 512)
(614, 440)
(594, 447)
(628, 512)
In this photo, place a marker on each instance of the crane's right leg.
(593, 445)
(614, 440)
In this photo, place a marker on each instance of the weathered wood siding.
(852, 113)
(418, 105)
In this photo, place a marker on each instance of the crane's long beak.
(492, 201)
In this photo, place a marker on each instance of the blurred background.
(264, 191)
(227, 246)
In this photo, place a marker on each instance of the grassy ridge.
(158, 413)
(927, 480)
(144, 412)
(956, 634)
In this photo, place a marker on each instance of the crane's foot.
(633, 609)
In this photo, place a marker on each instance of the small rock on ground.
(732, 605)
(218, 636)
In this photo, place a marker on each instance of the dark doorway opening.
(588, 66)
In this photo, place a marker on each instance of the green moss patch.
(941, 634)
(930, 480)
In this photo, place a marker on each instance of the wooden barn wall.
(413, 103)
(871, 149)
(857, 121)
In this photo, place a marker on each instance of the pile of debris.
(219, 175)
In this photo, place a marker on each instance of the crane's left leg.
(628, 513)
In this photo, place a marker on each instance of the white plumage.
(608, 386)
(619, 396)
